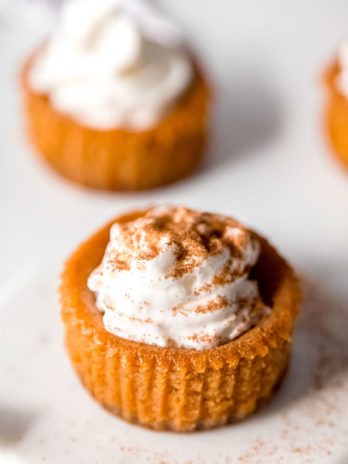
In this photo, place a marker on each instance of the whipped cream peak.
(81, 28)
(194, 237)
(342, 77)
(112, 63)
(179, 277)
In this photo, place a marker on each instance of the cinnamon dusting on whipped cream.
(212, 305)
(194, 235)
(179, 277)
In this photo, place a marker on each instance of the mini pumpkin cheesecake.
(176, 319)
(336, 117)
(113, 99)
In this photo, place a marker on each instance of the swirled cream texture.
(112, 64)
(176, 277)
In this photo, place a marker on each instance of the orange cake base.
(176, 388)
(337, 115)
(119, 159)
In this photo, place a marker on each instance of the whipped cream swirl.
(176, 277)
(342, 78)
(112, 64)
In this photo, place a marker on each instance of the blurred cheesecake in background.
(114, 100)
(336, 83)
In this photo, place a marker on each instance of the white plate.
(268, 165)
(47, 416)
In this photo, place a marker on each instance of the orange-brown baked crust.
(177, 388)
(336, 117)
(118, 159)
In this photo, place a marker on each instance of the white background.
(268, 165)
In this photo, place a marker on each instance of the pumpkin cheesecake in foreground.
(114, 100)
(177, 319)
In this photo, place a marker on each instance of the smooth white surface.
(269, 166)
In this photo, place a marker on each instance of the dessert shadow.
(319, 363)
(247, 117)
(14, 424)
